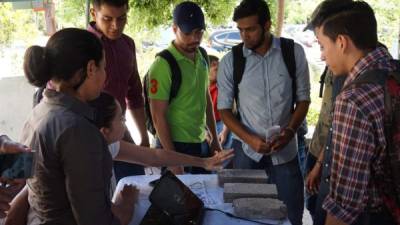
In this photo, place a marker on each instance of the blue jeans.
(226, 145)
(287, 177)
(124, 169)
(319, 212)
(302, 153)
(228, 141)
(311, 199)
(193, 149)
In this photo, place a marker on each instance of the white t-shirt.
(114, 149)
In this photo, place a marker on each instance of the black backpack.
(176, 80)
(322, 82)
(239, 62)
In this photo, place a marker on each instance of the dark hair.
(358, 22)
(106, 109)
(67, 51)
(116, 3)
(250, 8)
(326, 9)
(212, 58)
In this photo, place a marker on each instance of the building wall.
(15, 105)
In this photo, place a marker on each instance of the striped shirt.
(358, 142)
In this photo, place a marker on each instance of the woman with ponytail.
(72, 176)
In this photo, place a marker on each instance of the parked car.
(224, 40)
(295, 31)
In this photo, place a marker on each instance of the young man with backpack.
(319, 157)
(360, 139)
(180, 119)
(266, 93)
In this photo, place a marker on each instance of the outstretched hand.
(9, 146)
(177, 170)
(128, 194)
(313, 179)
(8, 189)
(215, 162)
(124, 203)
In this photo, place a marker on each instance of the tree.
(386, 13)
(146, 14)
(149, 14)
(16, 24)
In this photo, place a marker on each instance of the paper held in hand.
(272, 132)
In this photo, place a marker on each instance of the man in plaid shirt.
(349, 43)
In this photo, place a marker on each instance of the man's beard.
(192, 48)
(260, 41)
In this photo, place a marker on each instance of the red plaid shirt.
(358, 143)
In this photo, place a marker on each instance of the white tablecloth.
(204, 186)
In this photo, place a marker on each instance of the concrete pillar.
(280, 17)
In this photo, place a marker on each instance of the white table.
(205, 186)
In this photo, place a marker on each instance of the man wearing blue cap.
(180, 121)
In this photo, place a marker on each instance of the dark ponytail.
(67, 52)
(36, 67)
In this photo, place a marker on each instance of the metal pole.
(87, 12)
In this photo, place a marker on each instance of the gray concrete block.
(241, 176)
(234, 191)
(260, 208)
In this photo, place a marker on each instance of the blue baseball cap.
(188, 16)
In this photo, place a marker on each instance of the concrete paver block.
(241, 176)
(234, 191)
(260, 208)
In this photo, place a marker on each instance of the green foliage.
(16, 24)
(6, 24)
(71, 13)
(148, 14)
(386, 12)
(312, 116)
(298, 11)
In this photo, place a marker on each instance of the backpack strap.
(322, 82)
(176, 76)
(376, 76)
(287, 48)
(239, 63)
(372, 76)
(205, 55)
